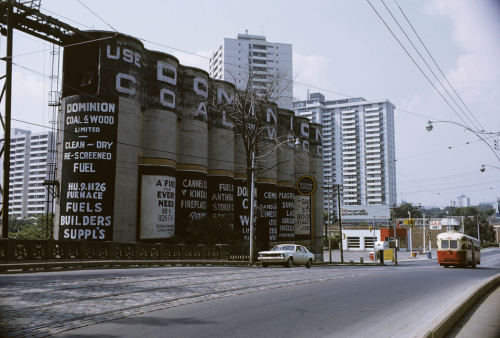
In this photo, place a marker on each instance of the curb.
(445, 321)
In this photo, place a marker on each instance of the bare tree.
(253, 112)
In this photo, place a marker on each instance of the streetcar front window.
(444, 244)
(453, 245)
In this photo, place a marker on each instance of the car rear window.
(444, 244)
(453, 245)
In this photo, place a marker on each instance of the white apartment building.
(252, 57)
(358, 147)
(463, 201)
(31, 164)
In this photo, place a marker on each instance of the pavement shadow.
(157, 321)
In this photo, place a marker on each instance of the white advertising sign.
(302, 215)
(157, 206)
(435, 225)
(364, 211)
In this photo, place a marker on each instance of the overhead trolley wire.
(438, 65)
(423, 73)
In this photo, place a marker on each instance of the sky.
(341, 48)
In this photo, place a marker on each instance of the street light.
(483, 167)
(429, 127)
(252, 169)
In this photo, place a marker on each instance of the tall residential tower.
(252, 57)
(358, 147)
(31, 164)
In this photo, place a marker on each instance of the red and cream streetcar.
(457, 249)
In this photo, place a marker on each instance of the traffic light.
(343, 236)
(410, 222)
(370, 227)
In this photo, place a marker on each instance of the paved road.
(224, 302)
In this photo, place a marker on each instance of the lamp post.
(429, 127)
(485, 165)
(252, 169)
(478, 133)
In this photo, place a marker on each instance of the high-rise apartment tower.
(252, 57)
(31, 158)
(358, 147)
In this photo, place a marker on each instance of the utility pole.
(423, 233)
(395, 237)
(478, 233)
(6, 140)
(252, 207)
(339, 216)
(411, 244)
(328, 224)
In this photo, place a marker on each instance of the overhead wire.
(425, 75)
(428, 52)
(296, 82)
(423, 59)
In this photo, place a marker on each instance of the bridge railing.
(50, 250)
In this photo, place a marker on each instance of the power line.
(97, 16)
(411, 42)
(496, 155)
(438, 65)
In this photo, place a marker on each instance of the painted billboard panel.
(191, 200)
(266, 229)
(286, 219)
(241, 206)
(221, 196)
(302, 215)
(364, 211)
(157, 206)
(88, 167)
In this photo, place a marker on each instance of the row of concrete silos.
(175, 159)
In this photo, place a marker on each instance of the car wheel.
(265, 265)
(309, 264)
(289, 263)
(446, 266)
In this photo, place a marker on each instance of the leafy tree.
(333, 217)
(39, 227)
(485, 230)
(403, 209)
(430, 211)
(17, 224)
(334, 241)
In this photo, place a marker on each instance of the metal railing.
(50, 250)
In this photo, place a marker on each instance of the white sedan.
(287, 255)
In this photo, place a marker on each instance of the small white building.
(359, 240)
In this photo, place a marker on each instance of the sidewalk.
(481, 320)
(356, 255)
